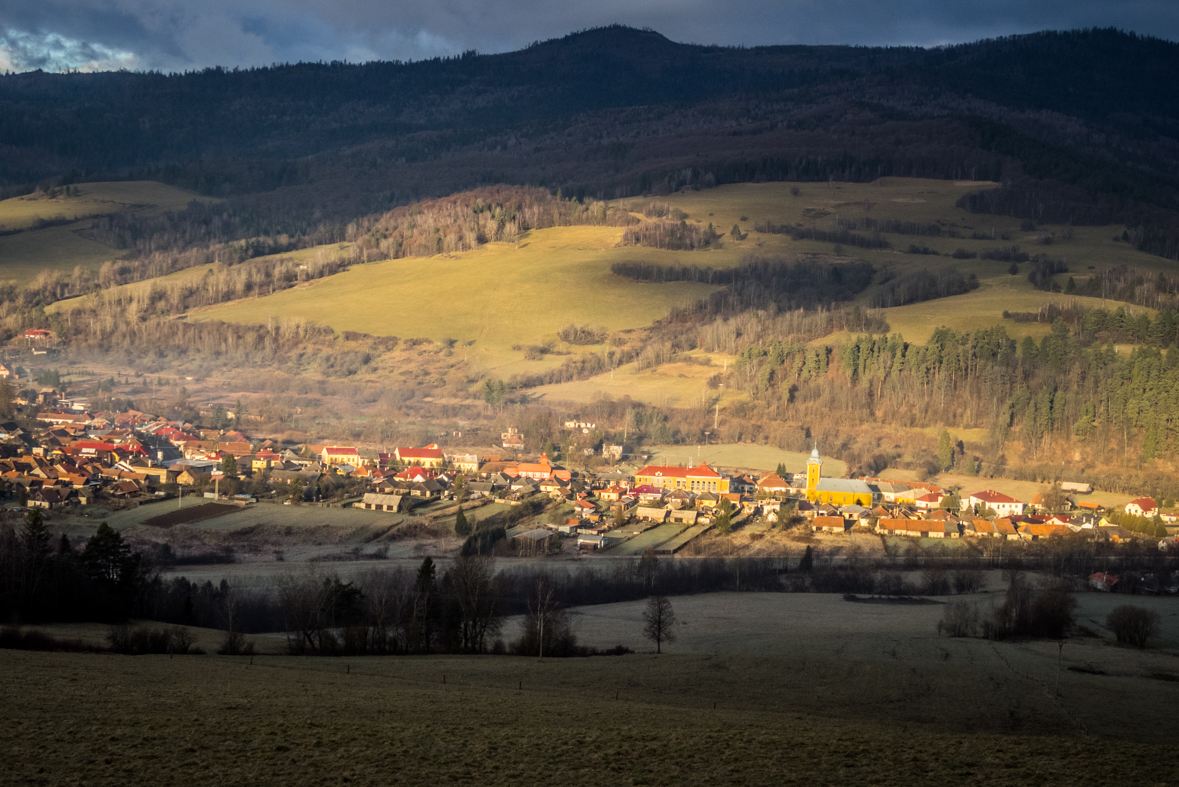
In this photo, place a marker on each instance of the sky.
(179, 35)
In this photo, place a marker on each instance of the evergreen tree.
(462, 527)
(724, 517)
(808, 560)
(945, 451)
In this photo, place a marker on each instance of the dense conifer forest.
(1078, 126)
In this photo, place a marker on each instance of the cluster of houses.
(73, 456)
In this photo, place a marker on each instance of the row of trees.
(922, 286)
(46, 579)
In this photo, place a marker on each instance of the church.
(836, 491)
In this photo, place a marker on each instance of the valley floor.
(761, 689)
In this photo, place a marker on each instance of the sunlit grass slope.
(497, 296)
(742, 455)
(195, 273)
(25, 254)
(93, 199)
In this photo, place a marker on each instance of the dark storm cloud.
(180, 34)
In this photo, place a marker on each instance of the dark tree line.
(895, 226)
(922, 286)
(842, 235)
(759, 283)
(1105, 326)
(1153, 289)
(44, 579)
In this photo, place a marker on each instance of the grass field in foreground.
(641, 719)
(497, 296)
(746, 455)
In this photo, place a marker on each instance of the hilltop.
(1079, 125)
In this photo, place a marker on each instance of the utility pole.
(716, 416)
(1059, 661)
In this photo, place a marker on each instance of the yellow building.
(836, 491)
(340, 455)
(691, 479)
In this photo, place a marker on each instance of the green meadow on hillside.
(506, 295)
(742, 455)
(497, 296)
(31, 250)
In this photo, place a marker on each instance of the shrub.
(144, 640)
(1133, 625)
(13, 638)
(959, 620)
(235, 644)
(1029, 613)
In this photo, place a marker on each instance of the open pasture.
(195, 273)
(758, 689)
(93, 199)
(504, 295)
(678, 384)
(984, 307)
(26, 254)
(491, 298)
(742, 456)
(30, 251)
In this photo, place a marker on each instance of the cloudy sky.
(176, 35)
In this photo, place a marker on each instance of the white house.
(1000, 503)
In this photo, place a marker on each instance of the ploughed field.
(848, 694)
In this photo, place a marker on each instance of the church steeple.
(814, 468)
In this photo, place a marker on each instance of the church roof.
(844, 485)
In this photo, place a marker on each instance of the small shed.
(830, 524)
(532, 542)
(652, 514)
(374, 501)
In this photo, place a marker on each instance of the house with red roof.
(429, 457)
(1036, 531)
(415, 475)
(265, 459)
(773, 484)
(647, 493)
(340, 455)
(929, 501)
(1001, 504)
(541, 470)
(694, 479)
(1143, 506)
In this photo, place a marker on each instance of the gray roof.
(377, 499)
(845, 485)
(535, 535)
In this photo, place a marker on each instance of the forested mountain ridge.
(1081, 126)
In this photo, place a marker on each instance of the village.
(68, 457)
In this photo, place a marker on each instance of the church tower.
(814, 467)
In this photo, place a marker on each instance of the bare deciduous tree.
(660, 620)
(470, 579)
(302, 600)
